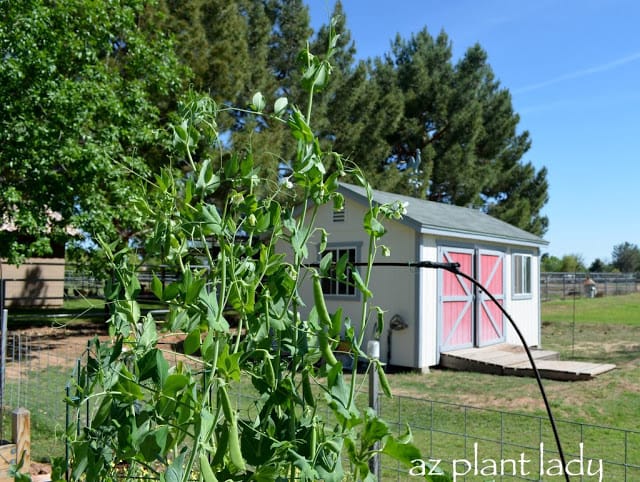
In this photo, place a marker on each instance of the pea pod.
(318, 299)
(325, 322)
(205, 469)
(235, 452)
(325, 349)
(313, 441)
(307, 392)
(268, 371)
(384, 381)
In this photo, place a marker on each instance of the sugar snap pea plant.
(241, 248)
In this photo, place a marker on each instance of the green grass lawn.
(606, 330)
(506, 408)
(43, 394)
(622, 310)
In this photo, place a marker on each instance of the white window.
(343, 287)
(522, 275)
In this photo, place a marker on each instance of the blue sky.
(573, 69)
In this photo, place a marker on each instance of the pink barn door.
(490, 320)
(456, 301)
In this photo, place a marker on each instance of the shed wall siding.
(429, 304)
(393, 288)
(36, 282)
(525, 312)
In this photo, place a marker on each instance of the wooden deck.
(505, 359)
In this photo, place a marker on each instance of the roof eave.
(476, 236)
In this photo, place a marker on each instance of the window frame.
(522, 276)
(330, 286)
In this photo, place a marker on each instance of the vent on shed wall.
(338, 216)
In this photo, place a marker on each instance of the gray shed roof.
(431, 217)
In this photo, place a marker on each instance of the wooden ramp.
(505, 359)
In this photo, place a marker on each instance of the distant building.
(37, 281)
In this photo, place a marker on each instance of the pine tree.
(459, 122)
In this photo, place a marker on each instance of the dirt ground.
(55, 346)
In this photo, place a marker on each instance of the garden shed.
(36, 282)
(428, 311)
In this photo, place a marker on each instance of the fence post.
(3, 286)
(373, 350)
(21, 426)
(3, 356)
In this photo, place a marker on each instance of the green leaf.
(325, 264)
(162, 369)
(207, 348)
(175, 470)
(375, 429)
(246, 164)
(156, 286)
(316, 75)
(174, 383)
(401, 452)
(149, 335)
(104, 412)
(231, 166)
(171, 291)
(299, 127)
(193, 288)
(362, 287)
(336, 323)
(298, 243)
(341, 267)
(229, 364)
(323, 240)
(208, 181)
(338, 202)
(192, 342)
(128, 386)
(372, 226)
(210, 220)
(154, 444)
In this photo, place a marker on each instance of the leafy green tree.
(550, 264)
(626, 257)
(519, 195)
(572, 263)
(599, 266)
(85, 89)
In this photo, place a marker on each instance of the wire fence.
(565, 285)
(479, 444)
(35, 371)
(50, 284)
(473, 444)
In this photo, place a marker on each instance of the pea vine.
(239, 244)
